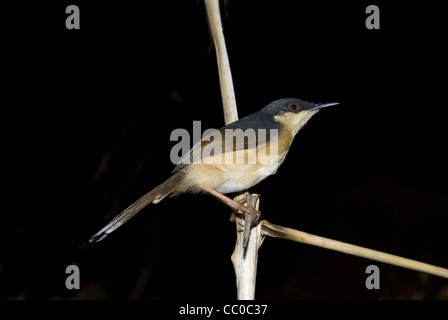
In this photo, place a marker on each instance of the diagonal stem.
(307, 238)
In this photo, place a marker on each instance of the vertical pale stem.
(244, 259)
(225, 74)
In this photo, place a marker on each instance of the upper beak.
(323, 105)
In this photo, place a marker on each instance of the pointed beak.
(323, 105)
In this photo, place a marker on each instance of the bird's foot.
(246, 210)
(238, 207)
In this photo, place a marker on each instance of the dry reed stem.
(244, 257)
(307, 238)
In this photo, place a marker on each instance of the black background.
(86, 122)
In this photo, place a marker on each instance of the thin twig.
(307, 238)
(225, 75)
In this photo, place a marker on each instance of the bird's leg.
(251, 200)
(241, 198)
(237, 206)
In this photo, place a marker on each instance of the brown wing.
(223, 140)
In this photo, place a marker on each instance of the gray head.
(293, 113)
(293, 105)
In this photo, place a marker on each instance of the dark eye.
(293, 106)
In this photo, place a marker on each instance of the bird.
(218, 165)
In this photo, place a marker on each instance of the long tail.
(155, 195)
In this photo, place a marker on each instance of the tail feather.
(155, 195)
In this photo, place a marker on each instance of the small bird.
(274, 127)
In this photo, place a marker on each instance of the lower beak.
(323, 105)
